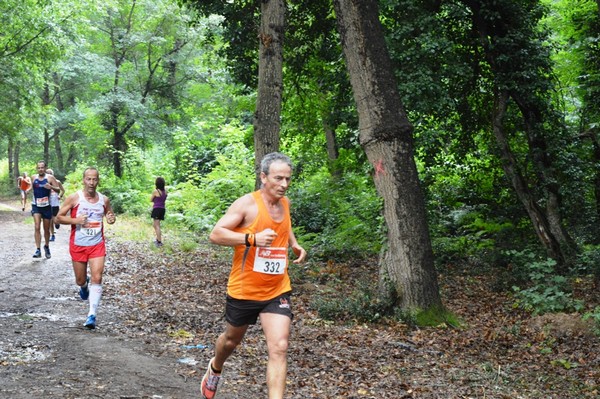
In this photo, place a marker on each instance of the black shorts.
(239, 312)
(45, 211)
(55, 210)
(158, 213)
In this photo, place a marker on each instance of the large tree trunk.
(407, 273)
(270, 81)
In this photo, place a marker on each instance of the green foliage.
(126, 196)
(338, 217)
(465, 233)
(199, 204)
(595, 316)
(129, 194)
(434, 317)
(588, 261)
(197, 133)
(8, 185)
(548, 292)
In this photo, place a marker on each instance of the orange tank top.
(24, 184)
(260, 273)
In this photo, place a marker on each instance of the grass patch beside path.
(139, 229)
(8, 202)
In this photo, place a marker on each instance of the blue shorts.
(45, 211)
(239, 312)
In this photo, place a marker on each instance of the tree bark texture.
(540, 222)
(270, 81)
(548, 221)
(407, 273)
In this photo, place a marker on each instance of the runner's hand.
(110, 217)
(300, 253)
(265, 238)
(82, 220)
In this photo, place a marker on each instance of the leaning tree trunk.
(407, 273)
(492, 22)
(546, 176)
(270, 81)
(538, 218)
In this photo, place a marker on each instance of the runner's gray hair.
(91, 168)
(268, 159)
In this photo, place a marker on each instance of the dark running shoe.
(37, 254)
(47, 251)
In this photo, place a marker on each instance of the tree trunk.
(332, 149)
(270, 81)
(59, 163)
(407, 273)
(46, 101)
(596, 161)
(540, 222)
(13, 167)
(544, 168)
(15, 157)
(492, 31)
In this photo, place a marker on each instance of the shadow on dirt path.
(44, 350)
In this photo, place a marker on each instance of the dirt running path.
(44, 350)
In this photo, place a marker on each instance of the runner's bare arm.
(298, 250)
(110, 214)
(52, 184)
(237, 215)
(64, 217)
(61, 193)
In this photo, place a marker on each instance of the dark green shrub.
(337, 217)
(547, 292)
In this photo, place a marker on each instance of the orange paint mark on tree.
(379, 168)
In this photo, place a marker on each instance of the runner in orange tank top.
(24, 185)
(258, 227)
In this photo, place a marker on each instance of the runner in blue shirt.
(41, 210)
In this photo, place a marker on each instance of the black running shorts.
(239, 312)
(45, 211)
(158, 213)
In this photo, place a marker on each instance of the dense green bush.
(338, 217)
(199, 204)
(547, 291)
(588, 261)
(467, 235)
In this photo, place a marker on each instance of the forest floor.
(162, 310)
